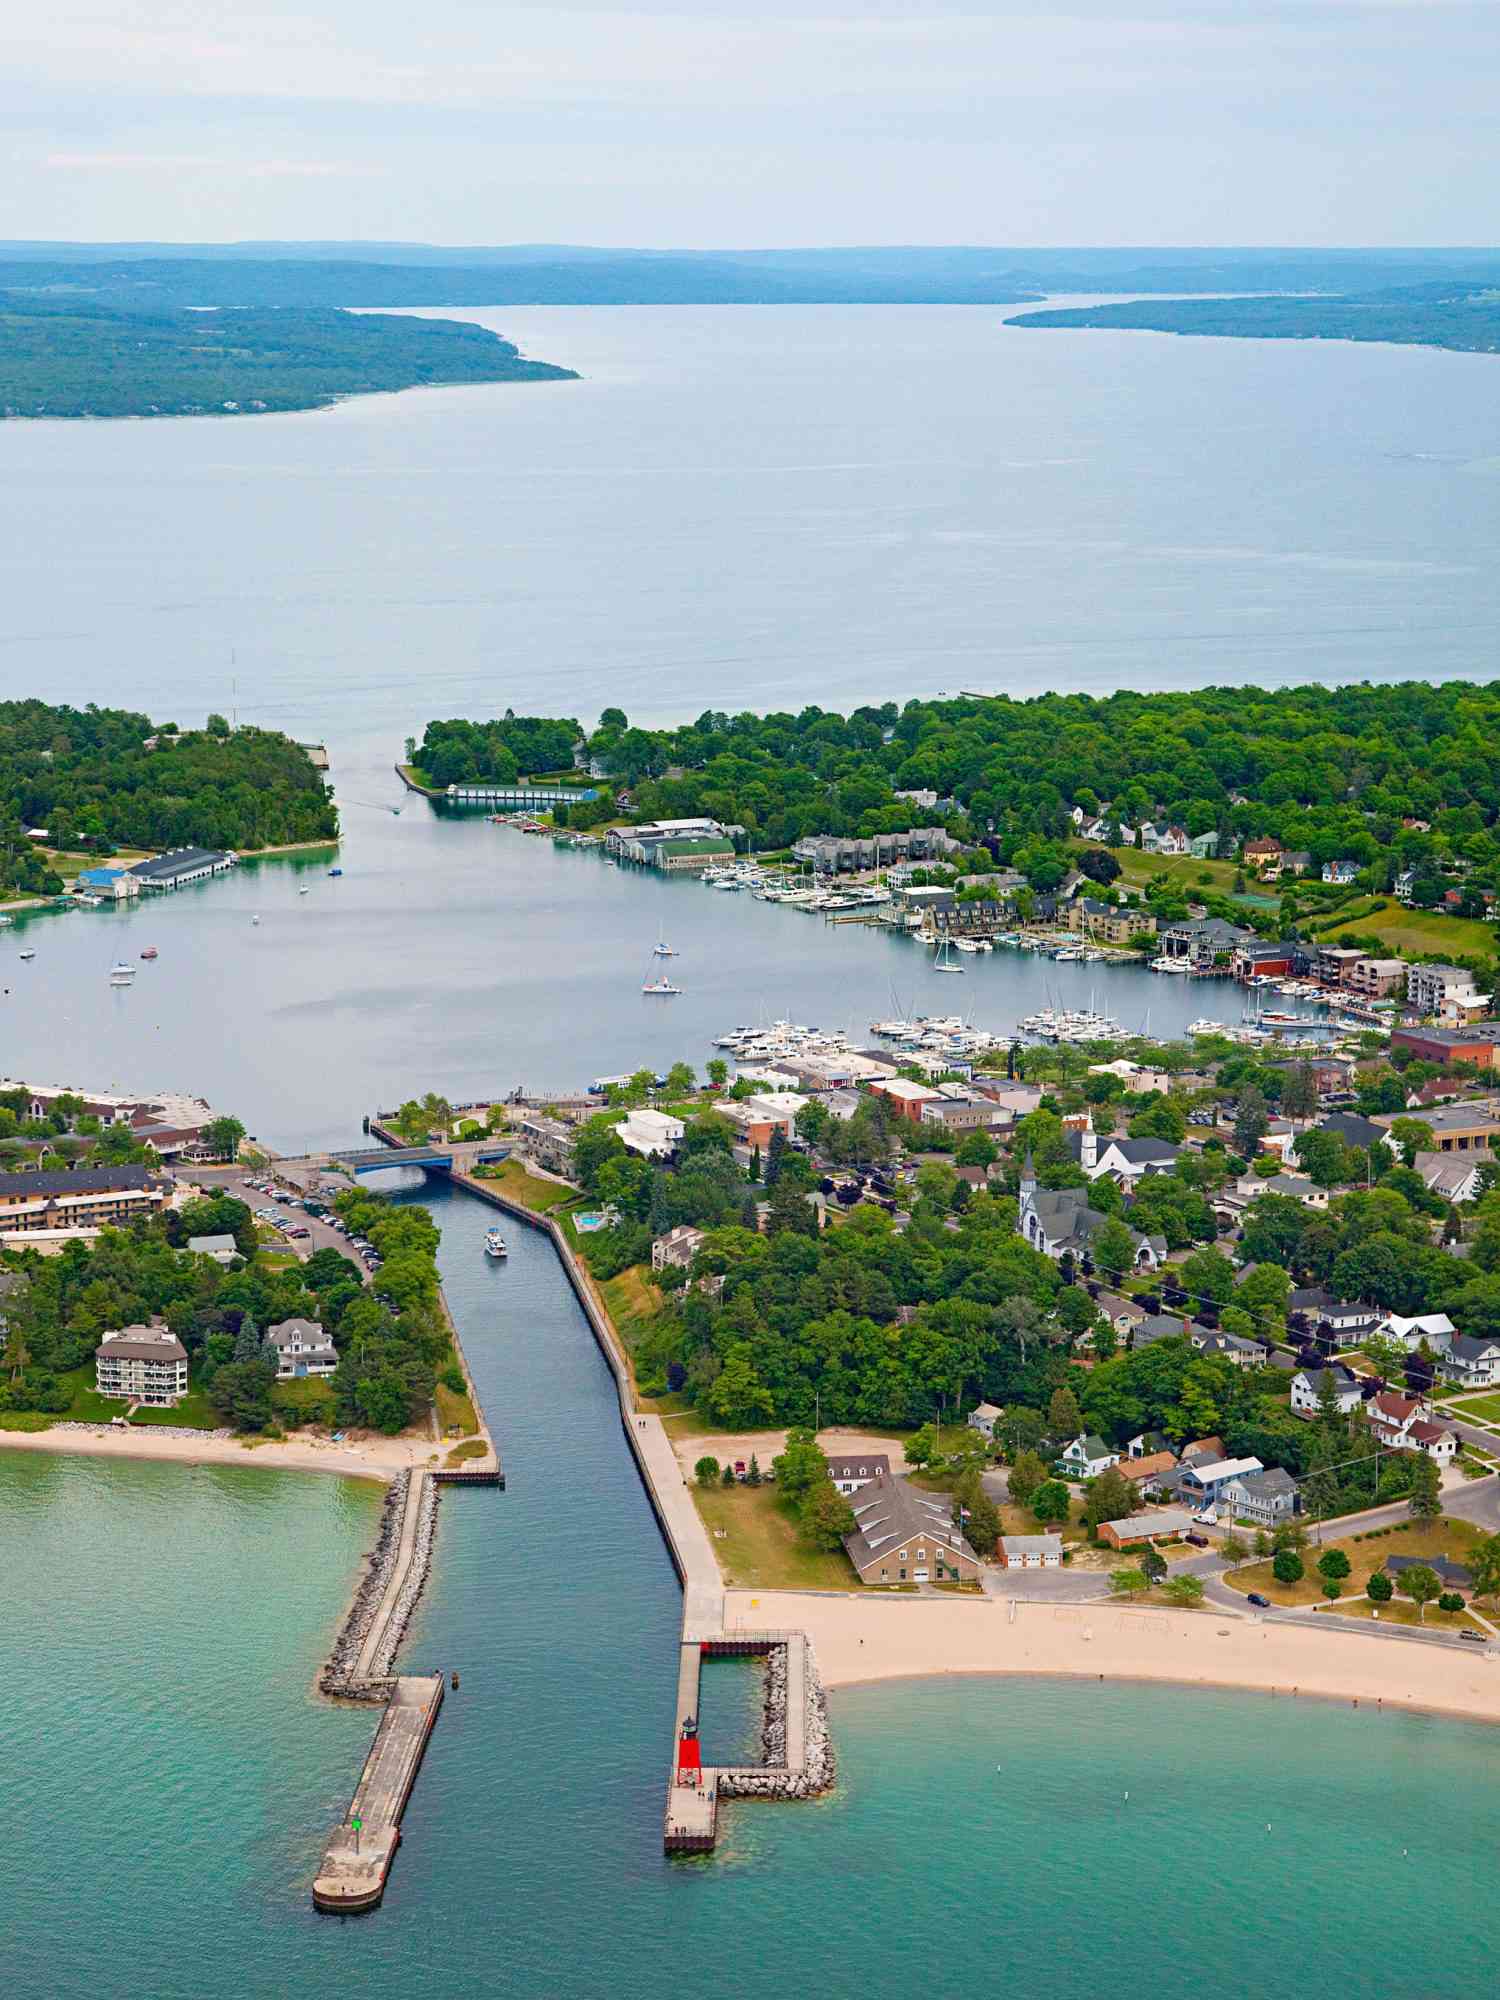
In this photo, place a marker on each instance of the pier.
(358, 1857)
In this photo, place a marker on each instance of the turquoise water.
(169, 1776)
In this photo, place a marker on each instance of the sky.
(701, 123)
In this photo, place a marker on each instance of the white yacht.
(494, 1244)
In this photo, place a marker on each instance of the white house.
(223, 1249)
(653, 1133)
(678, 1247)
(1435, 1328)
(1307, 1389)
(984, 1418)
(1404, 1423)
(301, 1348)
(1086, 1457)
(1342, 872)
(1264, 1497)
(142, 1364)
(1124, 1160)
(858, 1468)
(1471, 1361)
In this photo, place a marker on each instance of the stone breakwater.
(150, 1430)
(775, 1780)
(342, 1675)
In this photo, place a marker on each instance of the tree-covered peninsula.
(100, 778)
(69, 358)
(1456, 315)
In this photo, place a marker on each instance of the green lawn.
(756, 1540)
(1367, 1552)
(1419, 930)
(511, 1178)
(1484, 1409)
(1184, 871)
(1401, 1611)
(306, 1399)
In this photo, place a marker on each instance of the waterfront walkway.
(357, 1859)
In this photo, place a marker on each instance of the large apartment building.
(48, 1208)
(142, 1364)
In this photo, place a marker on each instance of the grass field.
(1483, 1409)
(306, 1399)
(1419, 930)
(454, 1411)
(1183, 870)
(1401, 1611)
(1366, 1554)
(756, 1541)
(511, 1178)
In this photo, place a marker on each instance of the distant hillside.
(76, 359)
(1463, 317)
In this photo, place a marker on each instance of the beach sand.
(369, 1458)
(866, 1638)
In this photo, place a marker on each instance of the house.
(301, 1348)
(1342, 872)
(1352, 1129)
(549, 1142)
(1336, 962)
(1295, 1186)
(1166, 1525)
(1343, 1320)
(1201, 941)
(1451, 1575)
(1404, 1423)
(984, 1418)
(1126, 1161)
(1146, 1444)
(1031, 1551)
(830, 855)
(1123, 1314)
(1265, 1497)
(1471, 1361)
(1086, 1457)
(1060, 1222)
(903, 1536)
(1309, 1384)
(142, 1364)
(903, 1098)
(1455, 1179)
(1378, 978)
(652, 1133)
(223, 1249)
(1256, 960)
(1158, 1326)
(677, 1248)
(1202, 1486)
(1262, 854)
(40, 1208)
(855, 1469)
(1151, 1473)
(1479, 1046)
(1436, 1329)
(1204, 846)
(181, 865)
(1231, 1347)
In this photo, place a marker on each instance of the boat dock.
(357, 1859)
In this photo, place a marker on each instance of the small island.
(1461, 316)
(69, 358)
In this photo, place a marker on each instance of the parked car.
(1198, 1541)
(1255, 1597)
(299, 1229)
(1474, 1638)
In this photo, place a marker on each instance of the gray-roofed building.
(1351, 1128)
(223, 1249)
(1031, 1551)
(1263, 1497)
(1158, 1326)
(1309, 1385)
(181, 865)
(301, 1348)
(903, 1536)
(1452, 1575)
(984, 1417)
(1471, 1360)
(852, 1469)
(142, 1364)
(48, 1207)
(1060, 1222)
(1165, 1525)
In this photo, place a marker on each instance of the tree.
(982, 1523)
(1299, 1092)
(1484, 1566)
(1110, 1497)
(739, 1398)
(800, 1466)
(1426, 1500)
(217, 725)
(1421, 1583)
(1413, 1136)
(680, 1080)
(1154, 1564)
(1378, 1588)
(1063, 1414)
(1233, 1549)
(247, 1340)
(921, 1448)
(1450, 1600)
(718, 1072)
(224, 1136)
(706, 1471)
(1113, 1249)
(976, 1149)
(753, 1476)
(826, 1517)
(1287, 1566)
(1129, 1582)
(1184, 1591)
(1051, 1502)
(1250, 1121)
(1207, 1277)
(726, 1477)
(1333, 1566)
(1028, 1473)
(241, 1393)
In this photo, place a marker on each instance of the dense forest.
(1334, 771)
(69, 357)
(1458, 315)
(496, 753)
(87, 776)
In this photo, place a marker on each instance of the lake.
(737, 508)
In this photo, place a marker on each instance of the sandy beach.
(871, 1639)
(372, 1458)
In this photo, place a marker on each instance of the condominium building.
(142, 1364)
(43, 1208)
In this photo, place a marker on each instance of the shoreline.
(382, 1460)
(859, 1643)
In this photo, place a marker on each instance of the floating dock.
(358, 1856)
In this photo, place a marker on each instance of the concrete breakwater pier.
(795, 1730)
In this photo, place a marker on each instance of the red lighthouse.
(689, 1755)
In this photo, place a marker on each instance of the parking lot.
(322, 1232)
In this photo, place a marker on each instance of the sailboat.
(944, 962)
(661, 984)
(661, 949)
(121, 974)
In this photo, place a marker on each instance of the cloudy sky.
(702, 122)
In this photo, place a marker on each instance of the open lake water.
(736, 509)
